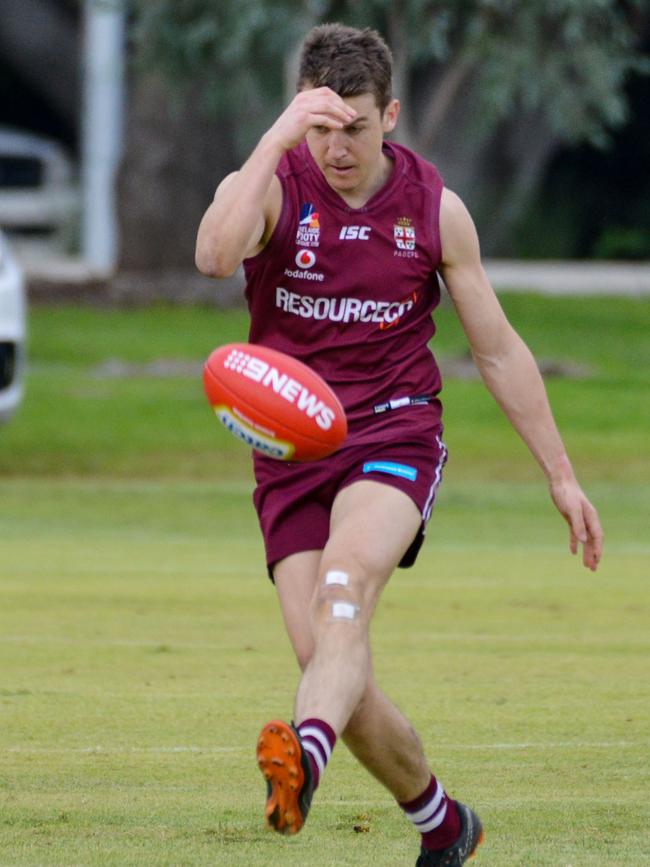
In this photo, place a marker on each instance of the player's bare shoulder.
(457, 231)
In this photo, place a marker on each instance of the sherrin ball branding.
(246, 432)
(274, 403)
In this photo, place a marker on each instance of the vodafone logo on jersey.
(305, 258)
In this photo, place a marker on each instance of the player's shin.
(335, 678)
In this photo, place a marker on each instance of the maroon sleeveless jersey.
(350, 291)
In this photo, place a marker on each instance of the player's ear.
(391, 113)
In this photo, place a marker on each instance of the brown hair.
(347, 60)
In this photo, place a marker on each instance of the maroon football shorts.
(294, 500)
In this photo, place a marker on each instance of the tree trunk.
(496, 173)
(398, 39)
(174, 158)
(529, 148)
(449, 87)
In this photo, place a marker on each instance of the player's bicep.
(255, 243)
(222, 198)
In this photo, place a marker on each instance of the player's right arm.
(247, 203)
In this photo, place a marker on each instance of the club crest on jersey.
(404, 234)
(308, 234)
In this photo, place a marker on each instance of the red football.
(273, 403)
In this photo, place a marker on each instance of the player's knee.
(339, 598)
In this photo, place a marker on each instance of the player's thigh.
(372, 525)
(295, 578)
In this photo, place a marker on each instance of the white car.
(12, 332)
(37, 192)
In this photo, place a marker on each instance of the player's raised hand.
(318, 107)
(583, 521)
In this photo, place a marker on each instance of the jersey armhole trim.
(434, 222)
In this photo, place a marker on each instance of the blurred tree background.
(534, 110)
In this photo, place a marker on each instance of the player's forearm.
(514, 380)
(234, 222)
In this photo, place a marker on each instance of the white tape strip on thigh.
(344, 611)
(335, 577)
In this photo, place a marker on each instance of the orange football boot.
(287, 772)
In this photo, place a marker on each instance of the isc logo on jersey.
(287, 387)
(353, 233)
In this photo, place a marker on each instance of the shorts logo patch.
(392, 469)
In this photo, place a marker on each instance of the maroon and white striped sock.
(318, 739)
(435, 816)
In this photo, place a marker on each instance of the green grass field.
(141, 647)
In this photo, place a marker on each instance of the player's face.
(351, 158)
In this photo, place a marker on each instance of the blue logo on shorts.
(401, 470)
